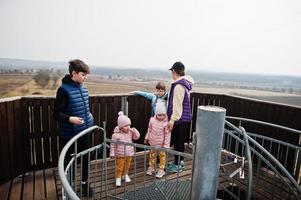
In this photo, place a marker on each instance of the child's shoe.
(172, 168)
(118, 182)
(127, 179)
(160, 173)
(150, 171)
(87, 191)
(182, 164)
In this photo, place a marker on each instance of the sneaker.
(127, 179)
(174, 168)
(87, 191)
(118, 182)
(160, 173)
(182, 164)
(150, 171)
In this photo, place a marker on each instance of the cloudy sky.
(252, 36)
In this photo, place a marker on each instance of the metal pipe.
(207, 154)
(250, 163)
(67, 188)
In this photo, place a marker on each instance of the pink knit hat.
(123, 120)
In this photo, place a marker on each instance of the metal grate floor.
(161, 190)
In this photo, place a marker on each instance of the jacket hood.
(187, 81)
(67, 80)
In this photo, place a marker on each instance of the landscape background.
(17, 79)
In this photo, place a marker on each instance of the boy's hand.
(76, 120)
(145, 141)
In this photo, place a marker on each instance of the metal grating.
(162, 190)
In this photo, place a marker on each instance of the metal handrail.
(270, 156)
(63, 178)
(265, 123)
(70, 192)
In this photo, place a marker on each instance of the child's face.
(125, 128)
(161, 117)
(79, 77)
(159, 92)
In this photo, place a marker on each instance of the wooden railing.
(28, 132)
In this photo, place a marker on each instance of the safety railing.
(102, 172)
(270, 175)
(247, 169)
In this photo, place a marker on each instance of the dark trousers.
(82, 144)
(180, 135)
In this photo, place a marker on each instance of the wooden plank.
(4, 146)
(37, 134)
(50, 184)
(39, 186)
(28, 189)
(11, 140)
(26, 147)
(95, 113)
(16, 188)
(53, 137)
(139, 110)
(46, 114)
(19, 139)
(5, 190)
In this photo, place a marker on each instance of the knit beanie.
(123, 120)
(160, 108)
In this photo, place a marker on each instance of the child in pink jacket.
(158, 135)
(124, 133)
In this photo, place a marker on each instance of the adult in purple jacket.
(179, 112)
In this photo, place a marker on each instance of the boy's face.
(159, 92)
(79, 77)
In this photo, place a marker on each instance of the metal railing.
(270, 175)
(247, 169)
(102, 173)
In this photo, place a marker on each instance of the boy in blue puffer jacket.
(159, 95)
(71, 111)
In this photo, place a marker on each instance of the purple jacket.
(186, 114)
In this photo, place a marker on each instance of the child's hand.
(112, 157)
(170, 126)
(76, 120)
(145, 141)
(133, 92)
(132, 128)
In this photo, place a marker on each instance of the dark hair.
(78, 66)
(161, 86)
(179, 68)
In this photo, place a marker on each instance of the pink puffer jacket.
(123, 137)
(157, 133)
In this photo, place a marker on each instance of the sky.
(244, 36)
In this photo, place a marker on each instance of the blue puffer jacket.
(78, 105)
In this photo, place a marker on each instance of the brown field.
(22, 85)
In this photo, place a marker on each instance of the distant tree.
(55, 76)
(42, 78)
